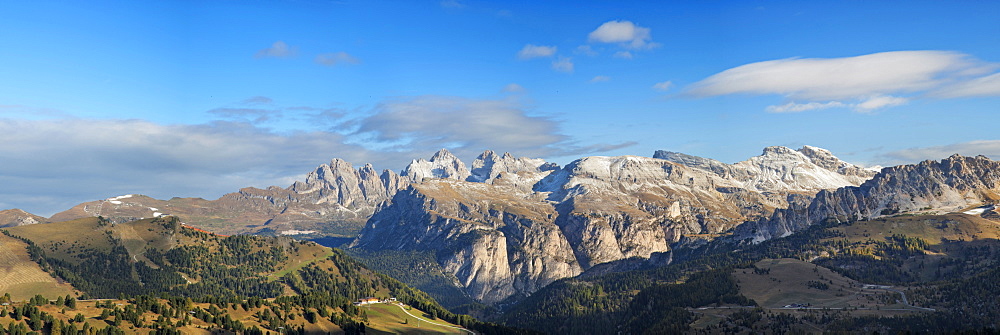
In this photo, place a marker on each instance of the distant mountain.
(334, 199)
(779, 168)
(16, 217)
(930, 187)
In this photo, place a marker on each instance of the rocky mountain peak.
(443, 165)
(490, 166)
(443, 154)
(778, 150)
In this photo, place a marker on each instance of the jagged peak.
(779, 150)
(442, 165)
(443, 154)
(487, 153)
(338, 162)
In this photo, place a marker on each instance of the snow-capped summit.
(443, 165)
(779, 169)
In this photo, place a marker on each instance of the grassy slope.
(932, 228)
(23, 278)
(390, 319)
(786, 282)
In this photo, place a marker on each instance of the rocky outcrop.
(16, 217)
(948, 185)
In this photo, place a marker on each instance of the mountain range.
(517, 231)
(510, 225)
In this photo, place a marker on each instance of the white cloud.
(335, 58)
(866, 82)
(792, 107)
(598, 79)
(864, 106)
(277, 50)
(623, 55)
(513, 88)
(878, 102)
(468, 126)
(585, 50)
(663, 86)
(624, 33)
(535, 51)
(563, 64)
(977, 87)
(989, 148)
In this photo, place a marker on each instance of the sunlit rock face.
(513, 225)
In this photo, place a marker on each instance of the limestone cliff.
(517, 224)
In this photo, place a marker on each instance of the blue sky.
(200, 98)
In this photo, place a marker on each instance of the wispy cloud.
(663, 86)
(336, 58)
(535, 51)
(623, 55)
(977, 87)
(864, 83)
(259, 109)
(469, 126)
(513, 88)
(563, 64)
(277, 50)
(792, 107)
(37, 112)
(585, 50)
(452, 4)
(598, 79)
(624, 33)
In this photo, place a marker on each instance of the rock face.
(948, 185)
(516, 224)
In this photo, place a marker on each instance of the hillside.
(144, 315)
(161, 257)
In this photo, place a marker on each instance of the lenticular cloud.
(864, 82)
